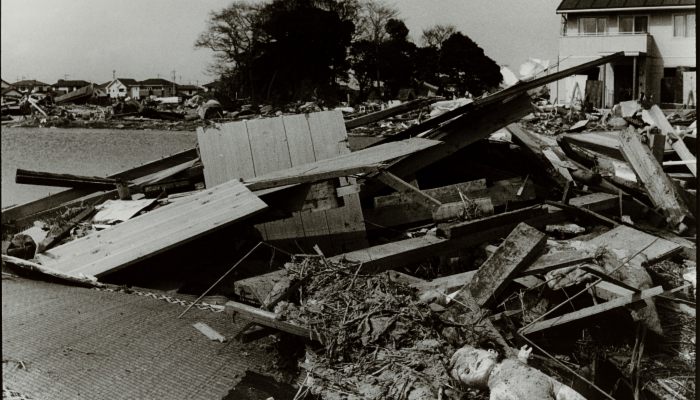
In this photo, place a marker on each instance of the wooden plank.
(154, 232)
(362, 161)
(459, 133)
(267, 318)
(139, 230)
(63, 180)
(301, 151)
(510, 218)
(458, 211)
(659, 186)
(446, 284)
(607, 278)
(388, 112)
(328, 139)
(552, 261)
(537, 152)
(444, 194)
(682, 150)
(651, 248)
(519, 248)
(268, 144)
(209, 332)
(592, 310)
(28, 210)
(513, 91)
(405, 188)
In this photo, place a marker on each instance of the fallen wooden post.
(519, 248)
(607, 278)
(659, 186)
(592, 310)
(409, 190)
(362, 161)
(22, 213)
(582, 211)
(269, 319)
(63, 180)
(541, 155)
(685, 155)
(552, 261)
(389, 112)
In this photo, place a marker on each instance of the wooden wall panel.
(252, 148)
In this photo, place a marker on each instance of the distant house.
(212, 86)
(157, 87)
(32, 86)
(10, 93)
(101, 89)
(657, 37)
(5, 84)
(123, 87)
(189, 90)
(65, 86)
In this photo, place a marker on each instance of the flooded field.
(94, 152)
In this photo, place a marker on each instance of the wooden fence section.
(248, 149)
(154, 232)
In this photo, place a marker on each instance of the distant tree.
(233, 33)
(371, 20)
(396, 63)
(466, 65)
(283, 50)
(434, 36)
(307, 49)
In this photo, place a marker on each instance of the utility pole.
(65, 77)
(114, 74)
(173, 93)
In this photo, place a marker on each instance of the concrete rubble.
(500, 247)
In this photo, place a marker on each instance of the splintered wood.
(519, 248)
(661, 189)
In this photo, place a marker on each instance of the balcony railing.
(587, 44)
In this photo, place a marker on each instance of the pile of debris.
(446, 255)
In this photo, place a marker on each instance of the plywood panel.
(301, 152)
(258, 147)
(154, 232)
(269, 146)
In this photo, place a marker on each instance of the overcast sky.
(49, 40)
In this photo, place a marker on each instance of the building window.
(634, 24)
(592, 26)
(684, 25)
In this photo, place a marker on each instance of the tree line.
(290, 50)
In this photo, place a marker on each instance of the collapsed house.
(484, 226)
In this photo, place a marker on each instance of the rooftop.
(621, 5)
(70, 83)
(30, 82)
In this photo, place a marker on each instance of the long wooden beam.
(592, 310)
(518, 88)
(41, 178)
(661, 189)
(405, 188)
(389, 112)
(24, 211)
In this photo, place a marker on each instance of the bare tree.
(372, 19)
(433, 37)
(231, 33)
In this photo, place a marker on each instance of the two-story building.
(657, 36)
(157, 87)
(123, 87)
(66, 86)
